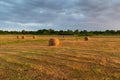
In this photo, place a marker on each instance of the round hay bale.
(87, 38)
(23, 37)
(34, 37)
(18, 37)
(54, 42)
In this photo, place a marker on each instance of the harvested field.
(73, 59)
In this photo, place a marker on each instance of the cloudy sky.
(59, 14)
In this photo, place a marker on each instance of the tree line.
(63, 32)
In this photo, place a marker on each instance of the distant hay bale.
(87, 38)
(34, 37)
(18, 37)
(23, 37)
(54, 42)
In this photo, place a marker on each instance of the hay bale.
(54, 42)
(34, 37)
(18, 37)
(87, 38)
(23, 37)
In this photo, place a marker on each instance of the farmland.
(73, 59)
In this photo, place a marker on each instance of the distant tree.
(76, 31)
(69, 32)
(62, 32)
(23, 31)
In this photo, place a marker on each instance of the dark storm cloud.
(81, 14)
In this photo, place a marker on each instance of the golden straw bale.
(23, 37)
(54, 42)
(87, 38)
(34, 37)
(18, 37)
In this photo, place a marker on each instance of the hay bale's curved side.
(23, 37)
(87, 38)
(34, 37)
(18, 37)
(54, 42)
